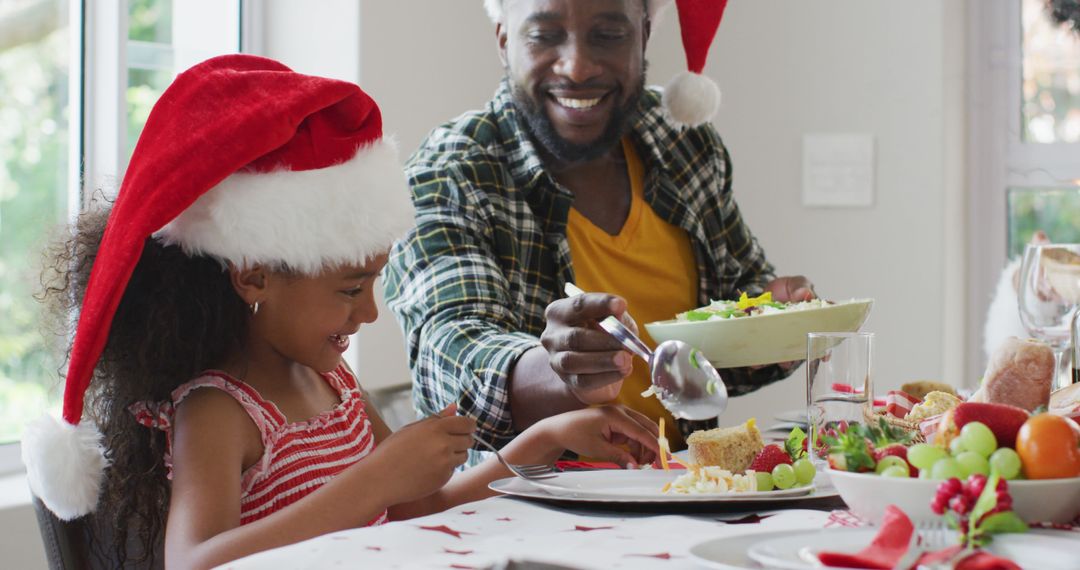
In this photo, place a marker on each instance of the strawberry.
(1002, 419)
(851, 451)
(769, 457)
(896, 450)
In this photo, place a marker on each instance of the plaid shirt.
(471, 281)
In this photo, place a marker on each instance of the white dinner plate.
(762, 339)
(1045, 550)
(635, 486)
(730, 552)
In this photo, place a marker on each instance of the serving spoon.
(682, 378)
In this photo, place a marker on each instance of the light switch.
(838, 170)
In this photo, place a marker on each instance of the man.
(572, 173)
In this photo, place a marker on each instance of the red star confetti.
(461, 552)
(468, 512)
(591, 528)
(504, 519)
(445, 529)
(661, 556)
(464, 567)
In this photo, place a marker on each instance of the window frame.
(998, 158)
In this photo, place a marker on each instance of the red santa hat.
(246, 161)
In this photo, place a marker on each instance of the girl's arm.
(595, 432)
(214, 439)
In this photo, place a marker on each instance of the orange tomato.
(1048, 448)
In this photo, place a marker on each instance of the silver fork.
(934, 536)
(528, 472)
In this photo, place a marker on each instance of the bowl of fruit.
(1038, 456)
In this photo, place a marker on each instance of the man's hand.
(589, 360)
(791, 289)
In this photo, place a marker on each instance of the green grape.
(946, 469)
(978, 438)
(890, 461)
(956, 446)
(1006, 462)
(924, 455)
(804, 471)
(924, 474)
(895, 471)
(783, 476)
(972, 463)
(764, 481)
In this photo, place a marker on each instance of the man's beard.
(538, 124)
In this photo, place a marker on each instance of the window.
(1024, 145)
(1051, 77)
(35, 45)
(77, 82)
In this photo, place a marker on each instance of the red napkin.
(885, 551)
(986, 561)
(899, 403)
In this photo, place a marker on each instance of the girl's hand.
(424, 454)
(603, 431)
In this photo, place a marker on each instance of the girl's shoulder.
(214, 385)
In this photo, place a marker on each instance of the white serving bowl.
(867, 494)
(762, 339)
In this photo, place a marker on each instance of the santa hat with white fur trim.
(690, 98)
(246, 161)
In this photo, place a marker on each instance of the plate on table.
(762, 339)
(730, 552)
(797, 417)
(1046, 550)
(635, 486)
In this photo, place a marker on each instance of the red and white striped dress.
(298, 457)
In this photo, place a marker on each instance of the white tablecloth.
(489, 532)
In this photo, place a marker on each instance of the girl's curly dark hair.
(179, 316)
(1065, 12)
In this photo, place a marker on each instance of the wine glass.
(1048, 295)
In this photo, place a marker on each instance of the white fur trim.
(1003, 315)
(65, 465)
(691, 99)
(495, 11)
(309, 220)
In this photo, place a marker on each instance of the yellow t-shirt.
(650, 263)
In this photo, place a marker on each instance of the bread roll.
(921, 388)
(1020, 374)
(732, 448)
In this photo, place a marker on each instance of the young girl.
(216, 302)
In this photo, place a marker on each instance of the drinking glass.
(1048, 295)
(838, 383)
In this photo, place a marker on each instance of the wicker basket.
(872, 416)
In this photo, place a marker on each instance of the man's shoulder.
(472, 137)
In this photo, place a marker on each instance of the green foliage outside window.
(34, 134)
(1055, 211)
